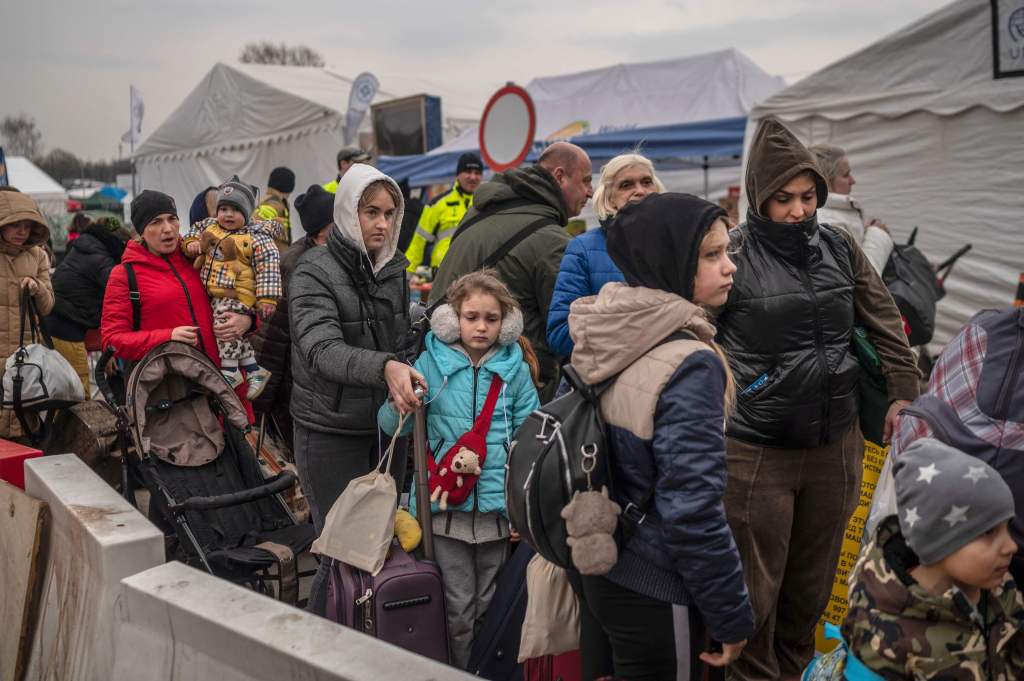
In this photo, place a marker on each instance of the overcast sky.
(69, 64)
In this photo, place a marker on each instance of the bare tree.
(65, 166)
(266, 52)
(304, 56)
(20, 136)
(61, 165)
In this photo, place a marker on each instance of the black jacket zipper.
(819, 346)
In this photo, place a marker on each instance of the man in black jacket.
(554, 189)
(272, 343)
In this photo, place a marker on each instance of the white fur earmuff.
(511, 327)
(445, 325)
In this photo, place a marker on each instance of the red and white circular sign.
(507, 128)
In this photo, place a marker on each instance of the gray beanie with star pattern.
(946, 498)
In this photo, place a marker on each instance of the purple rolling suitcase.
(402, 604)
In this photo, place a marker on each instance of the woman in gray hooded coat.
(349, 306)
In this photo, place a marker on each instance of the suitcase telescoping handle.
(419, 438)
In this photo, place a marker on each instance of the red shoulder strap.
(482, 425)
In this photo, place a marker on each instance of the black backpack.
(561, 449)
(912, 281)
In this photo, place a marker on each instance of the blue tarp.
(690, 145)
(112, 192)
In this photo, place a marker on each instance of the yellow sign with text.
(835, 612)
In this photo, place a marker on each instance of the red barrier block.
(12, 462)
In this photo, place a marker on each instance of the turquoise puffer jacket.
(456, 396)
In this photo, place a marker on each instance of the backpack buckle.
(633, 513)
(134, 296)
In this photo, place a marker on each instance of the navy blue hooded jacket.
(665, 418)
(197, 211)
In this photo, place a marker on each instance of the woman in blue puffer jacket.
(586, 267)
(473, 340)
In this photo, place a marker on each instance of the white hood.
(346, 210)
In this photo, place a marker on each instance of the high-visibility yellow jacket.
(332, 186)
(437, 225)
(274, 208)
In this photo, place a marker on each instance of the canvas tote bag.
(552, 622)
(360, 526)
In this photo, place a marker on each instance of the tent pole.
(132, 152)
(131, 139)
(705, 178)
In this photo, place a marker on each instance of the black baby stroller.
(187, 426)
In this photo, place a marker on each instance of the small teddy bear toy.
(591, 519)
(207, 242)
(464, 463)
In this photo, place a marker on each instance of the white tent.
(934, 141)
(46, 191)
(249, 119)
(703, 87)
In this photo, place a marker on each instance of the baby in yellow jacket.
(241, 270)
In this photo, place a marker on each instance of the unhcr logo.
(1008, 38)
(1015, 27)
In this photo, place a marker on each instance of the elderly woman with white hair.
(586, 266)
(840, 209)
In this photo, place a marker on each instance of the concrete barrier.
(96, 539)
(175, 622)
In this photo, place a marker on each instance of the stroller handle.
(948, 263)
(100, 376)
(943, 269)
(275, 485)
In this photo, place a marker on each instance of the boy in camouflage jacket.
(931, 596)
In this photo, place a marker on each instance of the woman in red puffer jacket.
(173, 302)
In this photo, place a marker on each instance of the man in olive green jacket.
(556, 187)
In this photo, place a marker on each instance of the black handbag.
(874, 397)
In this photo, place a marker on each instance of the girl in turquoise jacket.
(472, 339)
